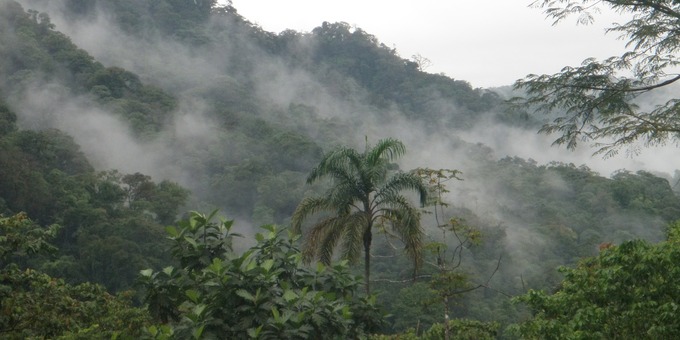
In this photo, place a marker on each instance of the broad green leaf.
(267, 265)
(168, 270)
(172, 231)
(275, 313)
(193, 295)
(245, 294)
(259, 237)
(320, 267)
(289, 295)
(198, 332)
(255, 332)
(250, 266)
(191, 241)
(199, 309)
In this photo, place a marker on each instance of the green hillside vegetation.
(120, 254)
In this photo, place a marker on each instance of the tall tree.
(363, 194)
(596, 101)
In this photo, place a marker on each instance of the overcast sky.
(485, 42)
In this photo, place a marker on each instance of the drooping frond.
(324, 236)
(334, 230)
(309, 206)
(352, 244)
(405, 222)
(316, 236)
(400, 182)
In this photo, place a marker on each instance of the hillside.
(118, 117)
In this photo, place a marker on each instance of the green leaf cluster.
(264, 293)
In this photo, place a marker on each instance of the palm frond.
(317, 236)
(405, 221)
(334, 231)
(400, 182)
(339, 164)
(345, 193)
(406, 224)
(309, 206)
(352, 244)
(386, 149)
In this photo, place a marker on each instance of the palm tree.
(363, 194)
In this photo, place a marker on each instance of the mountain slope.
(99, 95)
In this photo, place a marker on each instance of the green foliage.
(21, 238)
(458, 329)
(417, 307)
(7, 119)
(109, 220)
(29, 161)
(51, 149)
(628, 291)
(35, 305)
(179, 19)
(390, 79)
(449, 280)
(38, 54)
(259, 151)
(599, 97)
(362, 195)
(548, 215)
(263, 293)
(465, 330)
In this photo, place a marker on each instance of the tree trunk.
(368, 237)
(446, 318)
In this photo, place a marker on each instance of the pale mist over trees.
(119, 120)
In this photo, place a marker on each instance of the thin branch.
(423, 276)
(635, 89)
(661, 8)
(479, 285)
(485, 284)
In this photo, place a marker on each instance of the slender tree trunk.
(447, 336)
(368, 237)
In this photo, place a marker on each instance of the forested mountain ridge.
(281, 122)
(118, 116)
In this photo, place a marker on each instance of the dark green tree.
(363, 194)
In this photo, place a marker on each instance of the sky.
(488, 43)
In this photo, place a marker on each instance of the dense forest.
(124, 124)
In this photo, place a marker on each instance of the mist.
(189, 72)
